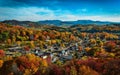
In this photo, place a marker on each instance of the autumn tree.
(2, 53)
(110, 45)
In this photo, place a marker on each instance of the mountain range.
(83, 22)
(59, 22)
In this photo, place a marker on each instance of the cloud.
(41, 13)
(29, 13)
(84, 10)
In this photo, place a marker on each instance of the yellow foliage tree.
(32, 45)
(85, 70)
(87, 49)
(1, 63)
(73, 71)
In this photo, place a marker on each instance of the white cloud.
(25, 13)
(84, 10)
(35, 14)
(95, 18)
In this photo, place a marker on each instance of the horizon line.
(58, 20)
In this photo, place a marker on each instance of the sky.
(65, 10)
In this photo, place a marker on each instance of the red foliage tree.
(2, 53)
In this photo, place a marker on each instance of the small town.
(55, 46)
(59, 37)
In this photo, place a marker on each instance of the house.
(65, 58)
(13, 49)
(9, 53)
(55, 59)
(44, 57)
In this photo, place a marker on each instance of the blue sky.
(66, 10)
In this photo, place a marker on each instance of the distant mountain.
(69, 23)
(21, 23)
(58, 22)
(51, 22)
